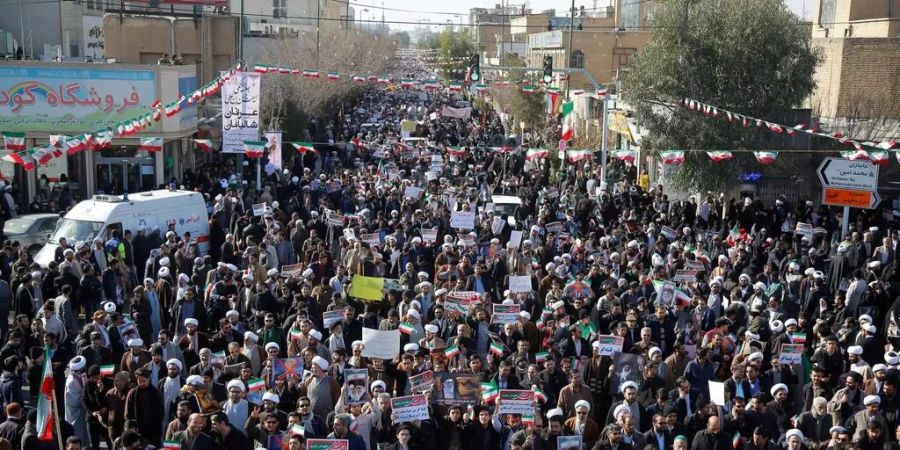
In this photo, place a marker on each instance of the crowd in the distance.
(645, 323)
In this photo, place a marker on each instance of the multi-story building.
(859, 77)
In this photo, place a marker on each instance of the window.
(576, 60)
(279, 8)
(826, 13)
(631, 11)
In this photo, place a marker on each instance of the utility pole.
(569, 51)
(241, 37)
(318, 17)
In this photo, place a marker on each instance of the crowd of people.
(596, 315)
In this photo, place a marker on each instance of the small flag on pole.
(14, 142)
(107, 370)
(451, 351)
(151, 144)
(496, 348)
(406, 328)
(254, 149)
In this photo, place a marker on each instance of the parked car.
(31, 230)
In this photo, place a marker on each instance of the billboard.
(72, 99)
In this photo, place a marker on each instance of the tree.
(451, 48)
(402, 38)
(749, 56)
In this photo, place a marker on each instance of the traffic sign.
(847, 174)
(850, 197)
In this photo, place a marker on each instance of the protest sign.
(287, 368)
(610, 345)
(455, 388)
(349, 234)
(791, 354)
(410, 408)
(666, 294)
(256, 387)
(504, 314)
(516, 401)
(371, 238)
(327, 444)
(515, 238)
(628, 367)
(459, 301)
(688, 276)
(291, 271)
(519, 283)
(259, 209)
(804, 229)
(357, 383)
(421, 382)
(429, 235)
(367, 288)
(555, 227)
(717, 392)
(331, 317)
(466, 240)
(413, 192)
(392, 284)
(497, 225)
(693, 265)
(568, 443)
(336, 220)
(380, 344)
(462, 220)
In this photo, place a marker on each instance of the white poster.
(380, 344)
(273, 145)
(520, 283)
(462, 219)
(515, 238)
(240, 111)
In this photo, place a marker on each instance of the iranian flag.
(75, 145)
(766, 157)
(480, 88)
(858, 155)
(451, 351)
(406, 83)
(539, 394)
(171, 445)
(334, 76)
(568, 121)
(573, 156)
(733, 236)
(625, 155)
(304, 147)
(496, 348)
(254, 149)
(298, 430)
(372, 78)
(359, 78)
(736, 440)
(310, 74)
(880, 158)
(535, 153)
(384, 80)
(886, 145)
(432, 84)
(107, 370)
(541, 356)
(45, 414)
(261, 68)
(21, 159)
(489, 391)
(460, 151)
(256, 384)
(43, 154)
(720, 155)
(14, 142)
(406, 328)
(455, 87)
(672, 157)
(528, 89)
(151, 144)
(104, 139)
(206, 145)
(798, 338)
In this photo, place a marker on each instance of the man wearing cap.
(95, 353)
(170, 387)
(236, 408)
(870, 413)
(322, 390)
(857, 364)
(74, 393)
(191, 341)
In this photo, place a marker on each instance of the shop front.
(48, 100)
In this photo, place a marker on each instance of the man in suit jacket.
(659, 437)
(96, 353)
(193, 438)
(737, 385)
(884, 253)
(480, 282)
(685, 398)
(711, 438)
(505, 377)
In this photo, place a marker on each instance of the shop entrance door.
(118, 176)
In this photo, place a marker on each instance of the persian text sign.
(240, 111)
(408, 409)
(71, 99)
(516, 402)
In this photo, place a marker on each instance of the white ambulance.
(175, 210)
